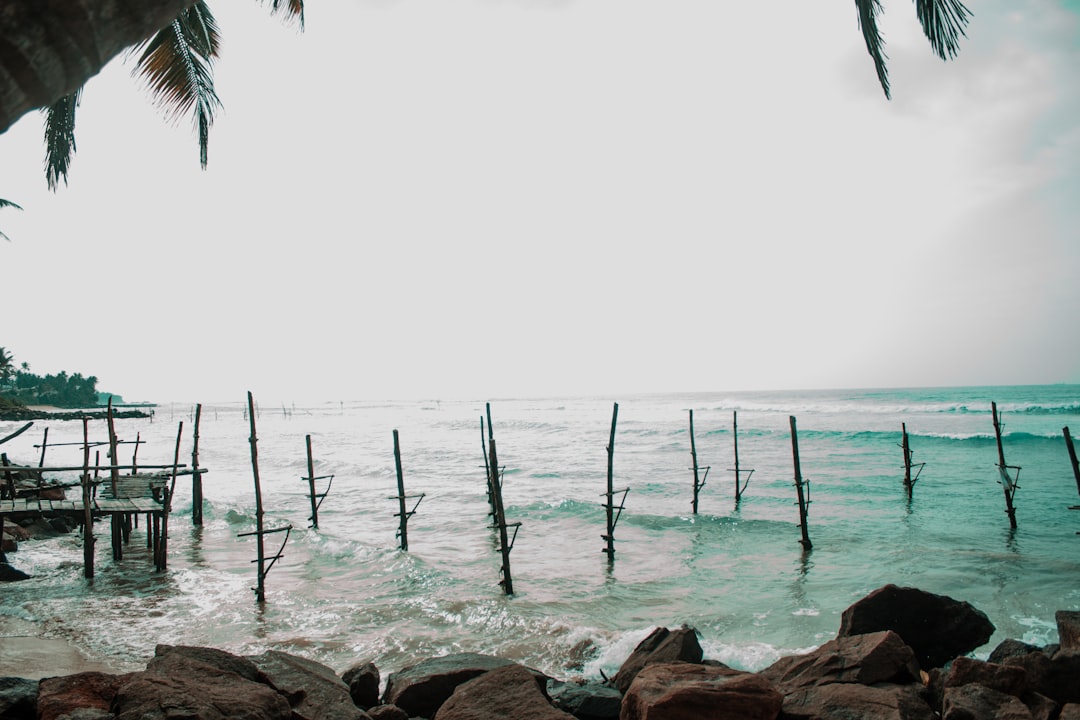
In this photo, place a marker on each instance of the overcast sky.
(493, 198)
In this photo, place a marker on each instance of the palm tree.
(3, 204)
(7, 366)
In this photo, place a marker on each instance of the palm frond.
(875, 43)
(943, 23)
(7, 203)
(3, 204)
(60, 138)
(293, 9)
(177, 64)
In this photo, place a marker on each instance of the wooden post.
(45, 444)
(196, 476)
(9, 478)
(114, 461)
(88, 514)
(907, 459)
(487, 466)
(1008, 483)
(803, 501)
(698, 483)
(1072, 456)
(403, 512)
(260, 591)
(505, 545)
(161, 554)
(611, 512)
(740, 487)
(311, 486)
(135, 453)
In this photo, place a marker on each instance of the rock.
(936, 627)
(387, 712)
(1070, 712)
(62, 696)
(851, 701)
(198, 684)
(864, 659)
(11, 574)
(313, 690)
(18, 698)
(363, 682)
(1040, 706)
(586, 701)
(975, 702)
(1068, 624)
(1009, 679)
(512, 691)
(422, 688)
(1010, 648)
(661, 646)
(1057, 678)
(686, 691)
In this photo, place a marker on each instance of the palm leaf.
(875, 43)
(291, 8)
(177, 63)
(60, 138)
(943, 22)
(3, 204)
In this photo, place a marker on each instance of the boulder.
(363, 682)
(11, 574)
(62, 696)
(852, 701)
(686, 691)
(198, 684)
(938, 628)
(18, 698)
(512, 691)
(313, 690)
(586, 701)
(422, 688)
(1068, 624)
(975, 702)
(1040, 706)
(865, 659)
(387, 712)
(1009, 679)
(1056, 677)
(1010, 648)
(1070, 712)
(661, 646)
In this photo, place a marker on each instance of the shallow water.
(344, 593)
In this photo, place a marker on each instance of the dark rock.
(864, 659)
(936, 627)
(18, 698)
(975, 702)
(1009, 679)
(661, 646)
(512, 691)
(11, 574)
(851, 701)
(1040, 706)
(1070, 712)
(1057, 678)
(1068, 624)
(197, 684)
(60, 696)
(687, 691)
(422, 688)
(363, 682)
(1010, 648)
(586, 701)
(387, 712)
(313, 690)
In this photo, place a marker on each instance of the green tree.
(7, 366)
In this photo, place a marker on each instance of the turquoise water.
(344, 593)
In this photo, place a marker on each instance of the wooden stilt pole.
(1008, 482)
(1072, 456)
(114, 473)
(88, 513)
(611, 511)
(403, 512)
(698, 483)
(505, 544)
(487, 467)
(196, 476)
(907, 459)
(260, 591)
(44, 444)
(135, 453)
(311, 486)
(161, 556)
(740, 486)
(804, 501)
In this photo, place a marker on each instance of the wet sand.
(24, 653)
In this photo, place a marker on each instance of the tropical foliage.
(19, 385)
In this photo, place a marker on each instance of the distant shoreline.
(41, 412)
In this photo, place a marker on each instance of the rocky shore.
(900, 653)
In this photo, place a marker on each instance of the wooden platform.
(101, 506)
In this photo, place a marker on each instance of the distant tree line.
(19, 385)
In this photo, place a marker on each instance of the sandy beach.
(25, 653)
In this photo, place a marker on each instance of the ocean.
(345, 593)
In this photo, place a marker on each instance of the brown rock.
(661, 646)
(1010, 648)
(207, 659)
(936, 627)
(512, 691)
(864, 659)
(1009, 679)
(18, 698)
(1057, 678)
(1070, 712)
(1068, 624)
(685, 691)
(363, 682)
(313, 690)
(422, 688)
(60, 696)
(975, 702)
(1040, 706)
(387, 712)
(851, 701)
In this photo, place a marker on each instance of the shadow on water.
(798, 585)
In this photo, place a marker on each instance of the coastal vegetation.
(20, 387)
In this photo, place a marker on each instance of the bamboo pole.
(88, 515)
(18, 432)
(803, 501)
(403, 527)
(196, 476)
(610, 514)
(260, 591)
(907, 459)
(693, 457)
(1008, 483)
(311, 486)
(1072, 456)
